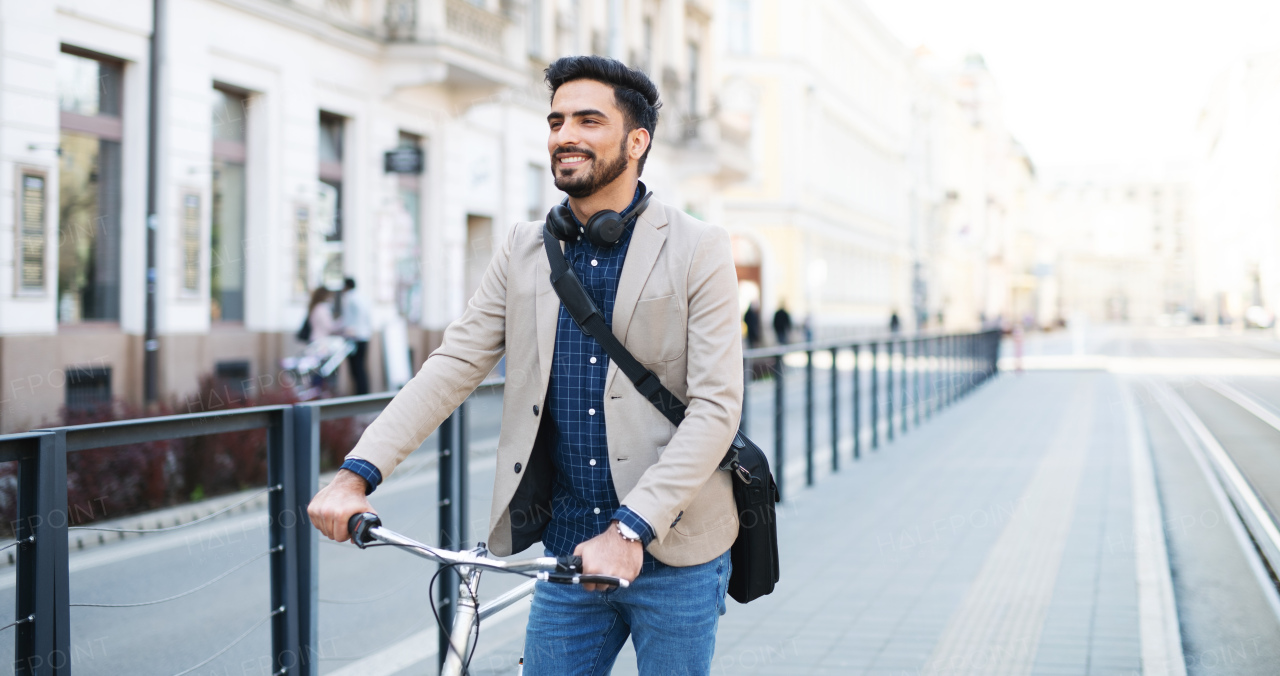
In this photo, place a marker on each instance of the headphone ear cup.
(605, 227)
(560, 221)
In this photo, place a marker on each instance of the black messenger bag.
(755, 551)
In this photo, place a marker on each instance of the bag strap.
(589, 318)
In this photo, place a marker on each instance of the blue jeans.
(671, 614)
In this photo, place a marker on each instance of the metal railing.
(935, 371)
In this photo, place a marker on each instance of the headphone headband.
(603, 229)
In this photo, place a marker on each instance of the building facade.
(1237, 242)
(275, 123)
(1124, 243)
(821, 224)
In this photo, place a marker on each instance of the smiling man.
(585, 463)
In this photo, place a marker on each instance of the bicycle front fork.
(464, 621)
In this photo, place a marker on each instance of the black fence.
(932, 371)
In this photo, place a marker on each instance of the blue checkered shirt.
(583, 500)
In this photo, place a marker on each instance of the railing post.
(305, 546)
(857, 404)
(905, 375)
(919, 400)
(283, 524)
(779, 427)
(42, 645)
(464, 476)
(875, 396)
(835, 413)
(746, 393)
(446, 585)
(889, 351)
(808, 417)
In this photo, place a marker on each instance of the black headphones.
(603, 229)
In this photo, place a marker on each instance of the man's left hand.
(609, 554)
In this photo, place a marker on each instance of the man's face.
(588, 140)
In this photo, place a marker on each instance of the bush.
(111, 483)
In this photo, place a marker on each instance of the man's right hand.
(336, 503)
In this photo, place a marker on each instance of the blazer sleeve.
(714, 389)
(472, 346)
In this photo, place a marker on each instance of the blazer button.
(517, 468)
(535, 409)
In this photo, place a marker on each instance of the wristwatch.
(627, 534)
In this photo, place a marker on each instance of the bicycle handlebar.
(367, 528)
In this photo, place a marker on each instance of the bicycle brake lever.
(568, 564)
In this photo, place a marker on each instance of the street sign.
(403, 161)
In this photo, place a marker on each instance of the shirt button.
(591, 411)
(517, 468)
(596, 510)
(535, 409)
(591, 462)
(593, 360)
(594, 262)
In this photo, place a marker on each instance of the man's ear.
(638, 141)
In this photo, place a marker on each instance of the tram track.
(1234, 438)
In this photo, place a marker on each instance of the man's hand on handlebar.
(336, 503)
(609, 554)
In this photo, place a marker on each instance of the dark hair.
(634, 92)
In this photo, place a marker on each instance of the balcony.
(469, 48)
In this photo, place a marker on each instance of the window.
(88, 388)
(535, 27)
(32, 193)
(89, 188)
(693, 79)
(739, 26)
(536, 177)
(329, 202)
(646, 59)
(408, 262)
(227, 234)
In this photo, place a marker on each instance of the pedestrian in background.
(895, 324)
(320, 315)
(357, 327)
(752, 320)
(782, 324)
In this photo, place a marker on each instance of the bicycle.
(367, 530)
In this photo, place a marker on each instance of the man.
(357, 327)
(585, 463)
(782, 324)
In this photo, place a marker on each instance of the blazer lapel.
(642, 254)
(546, 313)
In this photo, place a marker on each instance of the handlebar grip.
(358, 526)
(569, 564)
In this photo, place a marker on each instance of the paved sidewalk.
(996, 538)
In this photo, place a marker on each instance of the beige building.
(1123, 240)
(275, 120)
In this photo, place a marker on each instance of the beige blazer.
(676, 311)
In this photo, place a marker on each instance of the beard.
(579, 185)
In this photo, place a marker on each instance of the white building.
(821, 223)
(1123, 240)
(1237, 243)
(274, 120)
